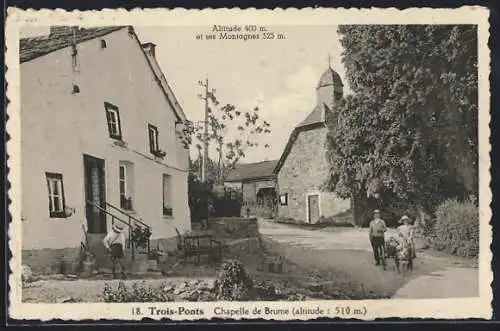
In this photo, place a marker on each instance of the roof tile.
(247, 171)
(31, 48)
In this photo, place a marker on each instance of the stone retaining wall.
(51, 261)
(233, 227)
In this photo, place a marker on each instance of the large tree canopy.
(410, 128)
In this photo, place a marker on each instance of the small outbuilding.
(257, 182)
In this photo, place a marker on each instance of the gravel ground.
(80, 290)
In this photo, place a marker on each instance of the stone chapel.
(303, 167)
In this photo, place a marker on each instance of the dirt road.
(348, 250)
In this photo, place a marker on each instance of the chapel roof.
(249, 171)
(33, 47)
(314, 117)
(330, 77)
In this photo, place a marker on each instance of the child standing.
(115, 243)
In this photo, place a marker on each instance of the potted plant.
(140, 236)
(87, 259)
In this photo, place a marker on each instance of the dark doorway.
(313, 207)
(95, 192)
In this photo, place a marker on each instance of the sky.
(278, 76)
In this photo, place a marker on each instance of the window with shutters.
(56, 195)
(113, 119)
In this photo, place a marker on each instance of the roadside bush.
(233, 282)
(26, 274)
(267, 291)
(200, 198)
(456, 228)
(343, 220)
(138, 292)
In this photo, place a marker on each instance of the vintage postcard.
(249, 164)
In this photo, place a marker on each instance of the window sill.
(58, 214)
(129, 211)
(168, 217)
(119, 142)
(159, 154)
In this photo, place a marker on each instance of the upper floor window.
(153, 141)
(56, 195)
(113, 119)
(153, 138)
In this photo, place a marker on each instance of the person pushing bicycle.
(376, 234)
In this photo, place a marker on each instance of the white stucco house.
(98, 142)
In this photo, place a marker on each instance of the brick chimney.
(149, 48)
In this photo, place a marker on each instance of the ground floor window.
(56, 194)
(126, 185)
(167, 196)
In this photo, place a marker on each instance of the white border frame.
(477, 307)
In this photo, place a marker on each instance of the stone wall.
(304, 172)
(51, 261)
(230, 228)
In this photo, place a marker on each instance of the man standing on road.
(377, 231)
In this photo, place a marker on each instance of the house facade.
(98, 142)
(303, 166)
(257, 182)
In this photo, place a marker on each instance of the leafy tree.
(410, 129)
(232, 131)
(195, 168)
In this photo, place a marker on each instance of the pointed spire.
(329, 60)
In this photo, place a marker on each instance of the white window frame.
(127, 181)
(124, 180)
(114, 124)
(113, 121)
(55, 180)
(167, 190)
(153, 136)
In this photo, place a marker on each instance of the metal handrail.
(113, 217)
(130, 218)
(127, 214)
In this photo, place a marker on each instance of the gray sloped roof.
(316, 116)
(314, 120)
(248, 171)
(330, 77)
(33, 47)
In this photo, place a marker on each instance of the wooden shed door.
(313, 207)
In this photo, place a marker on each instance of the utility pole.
(205, 148)
(204, 169)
